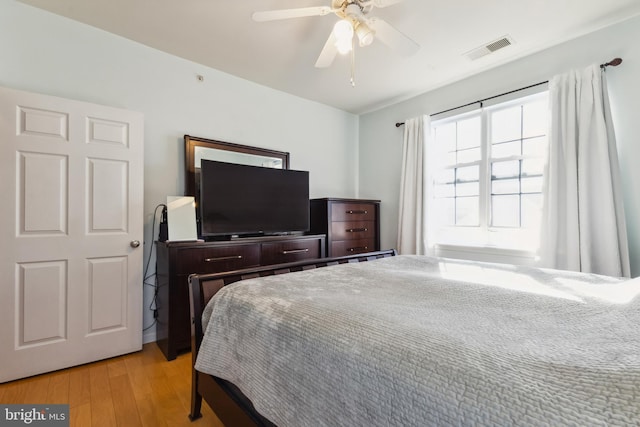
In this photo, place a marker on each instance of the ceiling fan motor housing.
(351, 8)
(353, 11)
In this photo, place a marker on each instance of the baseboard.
(149, 336)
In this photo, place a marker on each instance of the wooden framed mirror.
(197, 149)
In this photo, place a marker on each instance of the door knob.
(135, 243)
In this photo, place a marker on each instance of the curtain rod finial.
(399, 124)
(614, 63)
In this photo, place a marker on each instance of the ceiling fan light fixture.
(354, 20)
(343, 32)
(344, 46)
(365, 34)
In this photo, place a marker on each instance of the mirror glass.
(208, 153)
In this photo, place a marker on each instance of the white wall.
(381, 141)
(42, 52)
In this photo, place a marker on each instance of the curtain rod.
(613, 63)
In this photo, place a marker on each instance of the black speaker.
(163, 234)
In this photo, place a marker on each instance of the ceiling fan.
(354, 24)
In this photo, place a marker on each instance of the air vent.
(498, 44)
(489, 48)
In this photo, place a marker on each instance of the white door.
(70, 217)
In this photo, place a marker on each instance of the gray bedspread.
(420, 341)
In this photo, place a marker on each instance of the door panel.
(42, 191)
(107, 185)
(41, 123)
(108, 132)
(42, 304)
(70, 283)
(108, 288)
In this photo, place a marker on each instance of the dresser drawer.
(177, 260)
(352, 230)
(350, 247)
(290, 250)
(217, 259)
(353, 212)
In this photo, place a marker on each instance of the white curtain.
(583, 225)
(411, 224)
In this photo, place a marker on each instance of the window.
(487, 186)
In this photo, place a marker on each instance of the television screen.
(238, 199)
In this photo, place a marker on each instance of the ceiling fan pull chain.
(353, 62)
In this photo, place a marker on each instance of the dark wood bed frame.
(226, 400)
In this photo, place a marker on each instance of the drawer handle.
(295, 251)
(223, 258)
(359, 248)
(361, 212)
(356, 230)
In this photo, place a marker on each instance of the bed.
(414, 340)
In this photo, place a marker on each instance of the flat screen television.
(242, 200)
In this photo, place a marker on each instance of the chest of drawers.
(177, 260)
(352, 226)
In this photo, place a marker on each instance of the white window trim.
(456, 242)
(486, 254)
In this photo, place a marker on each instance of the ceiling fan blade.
(329, 52)
(393, 38)
(385, 3)
(273, 15)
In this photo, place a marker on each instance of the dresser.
(177, 260)
(352, 226)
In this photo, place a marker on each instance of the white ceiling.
(281, 54)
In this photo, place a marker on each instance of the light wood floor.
(138, 389)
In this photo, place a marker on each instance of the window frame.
(485, 235)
